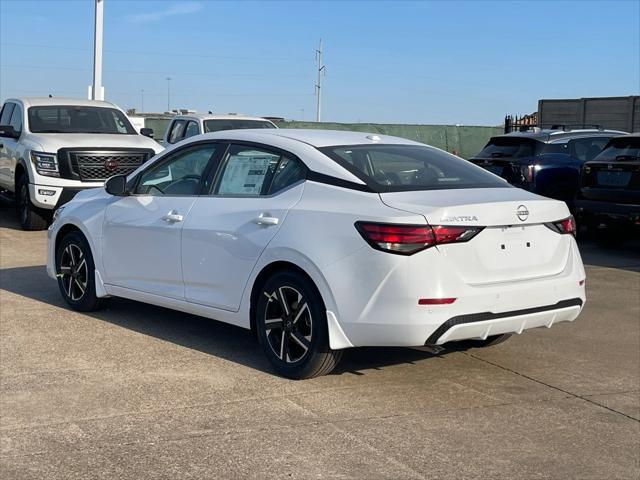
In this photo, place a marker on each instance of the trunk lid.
(514, 245)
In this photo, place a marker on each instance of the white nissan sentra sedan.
(320, 241)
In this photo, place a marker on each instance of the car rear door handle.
(173, 217)
(265, 219)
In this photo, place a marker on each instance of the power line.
(163, 54)
(147, 72)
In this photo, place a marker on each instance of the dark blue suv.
(546, 162)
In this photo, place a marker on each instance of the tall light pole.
(96, 91)
(319, 83)
(168, 94)
(142, 100)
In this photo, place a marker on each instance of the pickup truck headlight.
(45, 163)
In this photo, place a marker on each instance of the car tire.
(76, 273)
(291, 325)
(30, 218)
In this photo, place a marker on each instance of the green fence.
(466, 141)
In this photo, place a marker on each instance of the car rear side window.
(253, 171)
(390, 168)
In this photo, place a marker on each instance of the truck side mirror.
(116, 185)
(8, 131)
(147, 132)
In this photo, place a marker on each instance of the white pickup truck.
(51, 148)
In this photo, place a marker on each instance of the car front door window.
(182, 174)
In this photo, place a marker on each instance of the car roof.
(214, 116)
(315, 138)
(549, 135)
(53, 101)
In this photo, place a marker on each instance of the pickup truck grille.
(98, 166)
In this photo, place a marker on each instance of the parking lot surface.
(137, 391)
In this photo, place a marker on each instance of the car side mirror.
(147, 132)
(8, 131)
(116, 185)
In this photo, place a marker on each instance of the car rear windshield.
(233, 124)
(621, 149)
(78, 119)
(510, 147)
(396, 168)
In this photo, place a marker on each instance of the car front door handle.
(265, 219)
(173, 217)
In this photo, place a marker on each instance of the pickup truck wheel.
(292, 328)
(30, 218)
(76, 273)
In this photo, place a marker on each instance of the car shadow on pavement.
(625, 256)
(209, 336)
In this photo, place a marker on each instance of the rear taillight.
(409, 239)
(568, 225)
(528, 172)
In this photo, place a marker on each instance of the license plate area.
(614, 178)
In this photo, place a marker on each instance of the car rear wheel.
(76, 273)
(290, 319)
(30, 218)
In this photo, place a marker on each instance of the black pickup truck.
(608, 202)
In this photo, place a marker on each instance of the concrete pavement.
(137, 391)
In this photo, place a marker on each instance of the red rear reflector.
(409, 239)
(436, 301)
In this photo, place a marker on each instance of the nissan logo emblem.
(111, 165)
(522, 213)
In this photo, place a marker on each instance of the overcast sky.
(396, 62)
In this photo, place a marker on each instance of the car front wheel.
(292, 328)
(30, 218)
(76, 273)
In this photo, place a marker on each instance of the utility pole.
(168, 94)
(319, 83)
(96, 91)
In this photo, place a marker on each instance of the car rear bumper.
(483, 325)
(390, 315)
(607, 213)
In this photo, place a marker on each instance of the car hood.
(51, 142)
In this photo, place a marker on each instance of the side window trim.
(213, 161)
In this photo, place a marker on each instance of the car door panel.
(142, 232)
(227, 231)
(222, 239)
(141, 245)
